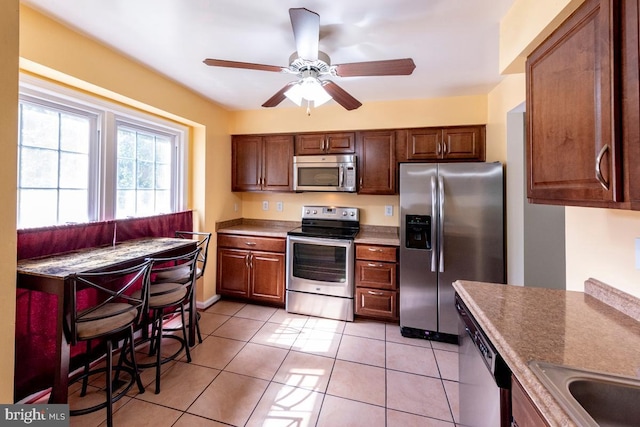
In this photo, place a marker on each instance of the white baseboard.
(203, 305)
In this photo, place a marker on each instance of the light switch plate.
(265, 205)
(388, 210)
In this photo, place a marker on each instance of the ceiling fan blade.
(341, 96)
(391, 67)
(306, 32)
(278, 97)
(244, 65)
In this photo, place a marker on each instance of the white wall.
(535, 233)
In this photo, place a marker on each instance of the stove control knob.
(315, 211)
(307, 211)
(344, 213)
(352, 214)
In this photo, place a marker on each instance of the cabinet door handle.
(375, 250)
(378, 294)
(438, 148)
(250, 260)
(599, 176)
(250, 243)
(371, 264)
(246, 260)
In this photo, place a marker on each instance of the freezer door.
(418, 265)
(471, 245)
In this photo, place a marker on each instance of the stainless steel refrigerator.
(451, 228)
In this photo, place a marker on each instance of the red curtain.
(35, 331)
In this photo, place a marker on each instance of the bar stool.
(165, 297)
(203, 240)
(113, 315)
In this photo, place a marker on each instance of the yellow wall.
(526, 25)
(376, 115)
(51, 50)
(8, 173)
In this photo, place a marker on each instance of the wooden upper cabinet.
(376, 162)
(460, 143)
(246, 163)
(325, 143)
(573, 148)
(262, 163)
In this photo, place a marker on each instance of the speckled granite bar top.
(256, 227)
(561, 327)
(378, 235)
(60, 266)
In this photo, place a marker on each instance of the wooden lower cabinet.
(524, 412)
(256, 274)
(376, 281)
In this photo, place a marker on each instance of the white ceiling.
(454, 43)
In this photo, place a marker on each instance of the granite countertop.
(561, 327)
(256, 227)
(378, 235)
(375, 235)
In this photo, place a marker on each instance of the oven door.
(320, 266)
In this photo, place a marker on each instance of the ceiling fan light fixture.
(310, 89)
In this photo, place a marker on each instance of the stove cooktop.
(329, 222)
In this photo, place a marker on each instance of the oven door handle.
(320, 241)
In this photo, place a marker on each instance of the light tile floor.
(262, 366)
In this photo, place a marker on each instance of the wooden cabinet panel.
(376, 281)
(462, 143)
(376, 252)
(524, 412)
(573, 149)
(271, 244)
(233, 275)
(325, 143)
(459, 143)
(267, 275)
(377, 162)
(246, 163)
(377, 303)
(380, 275)
(262, 163)
(424, 144)
(277, 169)
(251, 267)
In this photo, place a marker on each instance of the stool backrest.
(92, 293)
(203, 243)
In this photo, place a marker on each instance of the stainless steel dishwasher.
(485, 379)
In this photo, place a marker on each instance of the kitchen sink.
(592, 398)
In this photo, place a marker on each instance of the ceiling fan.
(308, 63)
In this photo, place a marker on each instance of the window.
(82, 159)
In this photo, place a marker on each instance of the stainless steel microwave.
(324, 173)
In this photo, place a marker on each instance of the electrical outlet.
(235, 207)
(265, 205)
(388, 210)
(279, 206)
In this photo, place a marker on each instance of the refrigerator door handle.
(434, 202)
(441, 223)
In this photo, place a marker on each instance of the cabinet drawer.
(270, 244)
(376, 253)
(377, 303)
(372, 274)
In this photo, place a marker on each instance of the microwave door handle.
(341, 177)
